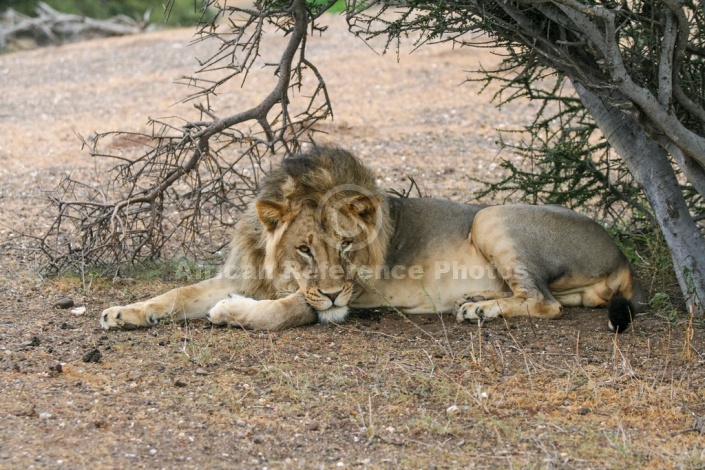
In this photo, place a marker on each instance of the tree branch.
(191, 167)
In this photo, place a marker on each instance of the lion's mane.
(298, 180)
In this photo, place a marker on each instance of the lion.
(322, 238)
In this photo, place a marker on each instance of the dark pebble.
(32, 342)
(584, 411)
(180, 383)
(92, 356)
(64, 303)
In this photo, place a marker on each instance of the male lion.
(321, 237)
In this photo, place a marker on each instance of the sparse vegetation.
(374, 392)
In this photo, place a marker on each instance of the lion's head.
(325, 223)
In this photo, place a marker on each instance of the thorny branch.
(643, 60)
(184, 188)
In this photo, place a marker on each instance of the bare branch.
(665, 66)
(189, 179)
(57, 28)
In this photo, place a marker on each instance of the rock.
(31, 343)
(313, 426)
(29, 412)
(78, 311)
(180, 383)
(135, 375)
(92, 356)
(64, 303)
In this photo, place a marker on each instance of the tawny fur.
(323, 211)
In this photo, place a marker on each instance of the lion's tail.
(623, 308)
(621, 311)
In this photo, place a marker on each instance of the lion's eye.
(303, 249)
(345, 245)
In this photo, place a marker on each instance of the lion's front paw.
(126, 318)
(478, 311)
(232, 311)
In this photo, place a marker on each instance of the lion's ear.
(363, 207)
(269, 213)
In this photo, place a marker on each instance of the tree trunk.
(650, 167)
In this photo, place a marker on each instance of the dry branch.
(191, 179)
(53, 27)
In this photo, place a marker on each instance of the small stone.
(64, 303)
(78, 311)
(29, 411)
(45, 415)
(313, 426)
(92, 356)
(584, 411)
(180, 383)
(201, 371)
(31, 343)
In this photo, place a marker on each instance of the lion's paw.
(230, 311)
(126, 318)
(466, 300)
(478, 311)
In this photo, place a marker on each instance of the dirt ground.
(381, 390)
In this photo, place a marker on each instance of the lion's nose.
(332, 295)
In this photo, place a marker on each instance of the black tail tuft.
(621, 312)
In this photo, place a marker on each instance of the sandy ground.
(377, 393)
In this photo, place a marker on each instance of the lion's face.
(321, 249)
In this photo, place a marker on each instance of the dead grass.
(379, 391)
